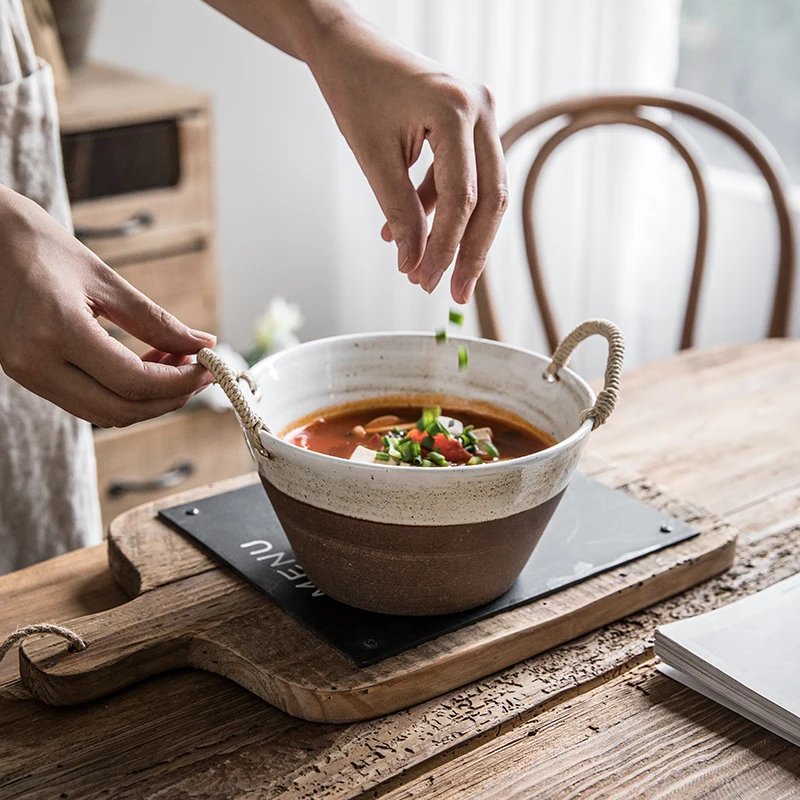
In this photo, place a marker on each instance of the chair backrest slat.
(588, 112)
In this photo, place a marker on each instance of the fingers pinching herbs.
(456, 181)
(426, 192)
(487, 215)
(406, 220)
(466, 185)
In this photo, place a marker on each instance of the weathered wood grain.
(639, 736)
(718, 427)
(145, 554)
(73, 585)
(209, 619)
(193, 735)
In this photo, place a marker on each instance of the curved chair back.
(628, 109)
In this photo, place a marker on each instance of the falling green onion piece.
(382, 457)
(441, 336)
(463, 357)
(456, 317)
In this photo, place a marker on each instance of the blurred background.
(208, 170)
(617, 213)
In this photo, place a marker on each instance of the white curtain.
(599, 205)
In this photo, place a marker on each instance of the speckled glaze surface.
(405, 539)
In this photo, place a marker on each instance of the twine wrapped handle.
(228, 380)
(607, 398)
(76, 643)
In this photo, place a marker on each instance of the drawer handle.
(136, 224)
(173, 477)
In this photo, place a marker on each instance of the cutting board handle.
(148, 635)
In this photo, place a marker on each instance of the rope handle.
(16, 690)
(76, 644)
(228, 380)
(608, 396)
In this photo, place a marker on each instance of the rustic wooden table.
(589, 719)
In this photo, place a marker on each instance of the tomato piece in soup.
(451, 449)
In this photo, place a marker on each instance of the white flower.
(277, 324)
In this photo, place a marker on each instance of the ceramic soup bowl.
(403, 539)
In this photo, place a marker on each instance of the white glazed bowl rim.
(270, 439)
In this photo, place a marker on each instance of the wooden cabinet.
(154, 458)
(138, 161)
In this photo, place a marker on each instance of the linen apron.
(48, 480)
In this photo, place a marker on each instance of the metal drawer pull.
(136, 224)
(174, 477)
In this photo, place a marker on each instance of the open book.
(745, 656)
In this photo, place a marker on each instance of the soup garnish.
(435, 439)
(455, 318)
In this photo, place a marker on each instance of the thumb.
(405, 215)
(137, 314)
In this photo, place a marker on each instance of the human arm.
(51, 292)
(387, 101)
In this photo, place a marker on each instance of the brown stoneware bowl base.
(412, 570)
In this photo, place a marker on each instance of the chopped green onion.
(468, 428)
(456, 317)
(427, 463)
(436, 427)
(387, 443)
(382, 456)
(417, 462)
(489, 448)
(474, 461)
(437, 459)
(395, 454)
(409, 451)
(463, 357)
(429, 416)
(468, 437)
(441, 336)
(428, 443)
(397, 432)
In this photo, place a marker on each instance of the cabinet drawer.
(165, 455)
(126, 226)
(183, 284)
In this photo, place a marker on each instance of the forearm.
(297, 27)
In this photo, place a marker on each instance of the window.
(745, 54)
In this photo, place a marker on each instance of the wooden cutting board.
(186, 610)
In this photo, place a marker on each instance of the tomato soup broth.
(440, 437)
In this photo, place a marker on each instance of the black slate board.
(594, 529)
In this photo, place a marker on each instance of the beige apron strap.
(28, 63)
(10, 68)
(48, 489)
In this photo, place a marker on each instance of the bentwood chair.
(580, 113)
